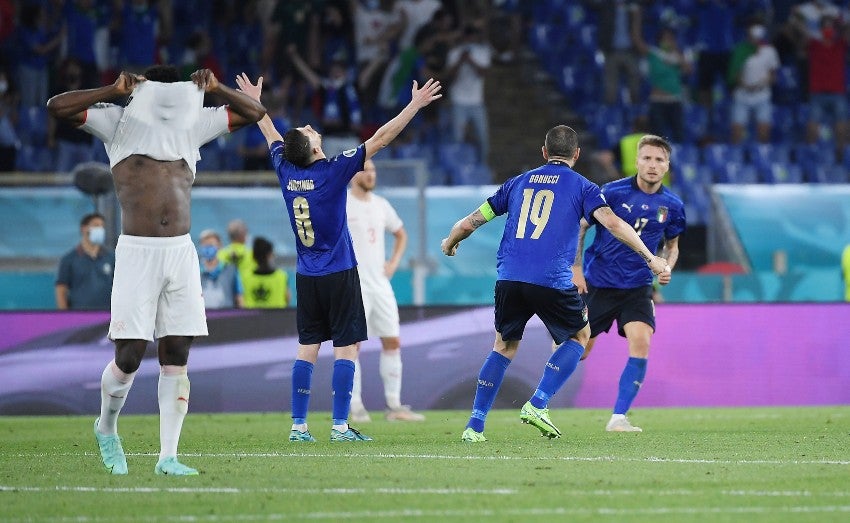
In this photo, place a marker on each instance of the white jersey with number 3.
(368, 220)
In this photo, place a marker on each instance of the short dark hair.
(87, 219)
(296, 148)
(562, 141)
(162, 73)
(261, 250)
(657, 141)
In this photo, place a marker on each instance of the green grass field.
(776, 464)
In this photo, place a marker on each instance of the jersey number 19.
(535, 208)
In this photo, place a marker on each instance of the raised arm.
(254, 91)
(421, 96)
(244, 109)
(626, 234)
(72, 105)
(305, 70)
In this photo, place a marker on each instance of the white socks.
(390, 369)
(114, 386)
(173, 393)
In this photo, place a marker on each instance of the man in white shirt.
(153, 146)
(752, 94)
(466, 65)
(369, 216)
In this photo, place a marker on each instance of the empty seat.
(783, 173)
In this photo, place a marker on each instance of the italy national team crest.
(662, 214)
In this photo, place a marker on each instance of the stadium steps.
(523, 102)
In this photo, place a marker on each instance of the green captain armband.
(487, 211)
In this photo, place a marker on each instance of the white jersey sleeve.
(392, 221)
(102, 120)
(212, 123)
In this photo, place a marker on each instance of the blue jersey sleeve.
(276, 154)
(499, 201)
(592, 200)
(677, 224)
(346, 164)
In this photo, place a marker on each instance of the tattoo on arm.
(476, 219)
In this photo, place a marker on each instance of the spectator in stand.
(71, 145)
(221, 285)
(372, 41)
(293, 22)
(618, 25)
(752, 70)
(467, 64)
(336, 32)
(35, 46)
(8, 119)
(7, 26)
(336, 102)
(82, 19)
(715, 37)
(266, 287)
(199, 55)
(240, 51)
(137, 25)
(84, 280)
(827, 56)
(667, 64)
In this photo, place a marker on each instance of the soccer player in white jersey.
(152, 144)
(369, 216)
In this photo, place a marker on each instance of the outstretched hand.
(426, 94)
(205, 79)
(245, 86)
(126, 82)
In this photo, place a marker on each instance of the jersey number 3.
(303, 224)
(535, 208)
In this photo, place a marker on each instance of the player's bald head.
(561, 141)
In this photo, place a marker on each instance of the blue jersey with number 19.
(315, 201)
(544, 207)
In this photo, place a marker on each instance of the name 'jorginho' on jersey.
(544, 207)
(655, 217)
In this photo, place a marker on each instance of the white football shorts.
(381, 314)
(156, 290)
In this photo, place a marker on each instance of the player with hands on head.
(616, 284)
(329, 300)
(544, 207)
(153, 146)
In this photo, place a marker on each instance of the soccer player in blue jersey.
(617, 284)
(544, 207)
(330, 304)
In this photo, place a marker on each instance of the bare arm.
(578, 270)
(461, 231)
(387, 132)
(626, 234)
(244, 109)
(671, 254)
(61, 296)
(254, 91)
(399, 247)
(73, 104)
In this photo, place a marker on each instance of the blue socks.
(342, 382)
(630, 382)
(489, 380)
(558, 369)
(302, 375)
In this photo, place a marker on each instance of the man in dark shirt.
(84, 280)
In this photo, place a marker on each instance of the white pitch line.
(464, 513)
(273, 490)
(381, 455)
(417, 491)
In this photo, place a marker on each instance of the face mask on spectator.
(208, 252)
(4, 86)
(97, 235)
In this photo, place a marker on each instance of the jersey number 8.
(303, 224)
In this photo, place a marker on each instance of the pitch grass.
(777, 464)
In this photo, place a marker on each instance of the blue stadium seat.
(696, 122)
(452, 155)
(684, 153)
(737, 173)
(718, 156)
(814, 154)
(764, 155)
(828, 174)
(470, 174)
(782, 173)
(32, 125)
(413, 150)
(785, 129)
(787, 87)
